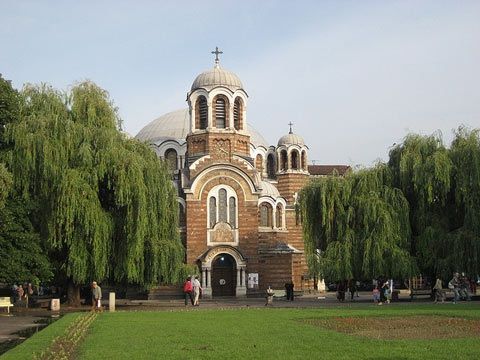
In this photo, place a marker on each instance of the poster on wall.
(253, 280)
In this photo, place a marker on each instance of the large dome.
(217, 77)
(176, 125)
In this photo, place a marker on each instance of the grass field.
(249, 333)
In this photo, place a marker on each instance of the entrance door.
(224, 280)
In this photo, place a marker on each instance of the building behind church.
(237, 194)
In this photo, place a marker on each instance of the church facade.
(237, 195)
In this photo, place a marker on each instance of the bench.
(5, 302)
(420, 292)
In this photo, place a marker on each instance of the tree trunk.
(73, 294)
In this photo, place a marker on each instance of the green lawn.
(256, 334)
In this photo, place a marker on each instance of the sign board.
(253, 280)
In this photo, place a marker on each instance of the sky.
(354, 77)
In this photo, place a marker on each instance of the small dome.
(269, 190)
(217, 77)
(291, 139)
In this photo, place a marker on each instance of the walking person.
(454, 285)
(376, 296)
(187, 290)
(197, 289)
(438, 290)
(352, 288)
(289, 290)
(96, 297)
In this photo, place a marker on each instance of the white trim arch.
(180, 147)
(274, 203)
(214, 192)
(207, 259)
(223, 167)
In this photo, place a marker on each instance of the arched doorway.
(224, 279)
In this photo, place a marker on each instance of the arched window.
(220, 113)
(222, 206)
(265, 215)
(259, 163)
(304, 160)
(213, 211)
(283, 160)
(294, 159)
(238, 114)
(181, 215)
(279, 217)
(171, 159)
(232, 209)
(201, 116)
(271, 166)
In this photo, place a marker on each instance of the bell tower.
(217, 104)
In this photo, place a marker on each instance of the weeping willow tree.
(22, 256)
(465, 155)
(356, 226)
(443, 190)
(108, 207)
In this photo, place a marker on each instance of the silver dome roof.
(291, 139)
(217, 77)
(176, 125)
(171, 126)
(269, 190)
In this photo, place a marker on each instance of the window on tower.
(304, 160)
(220, 113)
(238, 114)
(201, 118)
(294, 159)
(283, 160)
(271, 166)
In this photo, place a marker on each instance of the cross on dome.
(290, 124)
(217, 52)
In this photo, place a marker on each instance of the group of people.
(382, 293)
(22, 292)
(348, 286)
(461, 286)
(192, 290)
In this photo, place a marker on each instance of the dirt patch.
(407, 327)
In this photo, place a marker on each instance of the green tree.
(356, 226)
(443, 190)
(107, 202)
(22, 257)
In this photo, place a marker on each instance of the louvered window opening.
(271, 167)
(220, 113)
(237, 115)
(203, 113)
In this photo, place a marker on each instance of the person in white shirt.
(196, 290)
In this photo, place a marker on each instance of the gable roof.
(324, 170)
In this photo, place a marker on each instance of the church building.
(237, 194)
